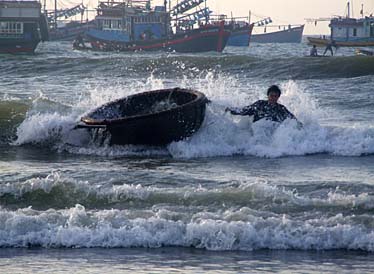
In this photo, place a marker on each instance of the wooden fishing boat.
(136, 26)
(289, 34)
(156, 117)
(346, 31)
(203, 39)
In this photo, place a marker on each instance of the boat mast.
(55, 14)
(166, 23)
(45, 6)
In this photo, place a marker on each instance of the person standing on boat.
(313, 51)
(266, 109)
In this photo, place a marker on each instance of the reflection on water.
(185, 260)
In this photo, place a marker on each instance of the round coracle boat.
(156, 117)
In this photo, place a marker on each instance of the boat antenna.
(362, 10)
(348, 10)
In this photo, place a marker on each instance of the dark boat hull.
(25, 43)
(204, 39)
(14, 46)
(137, 125)
(291, 35)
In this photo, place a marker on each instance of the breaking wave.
(220, 135)
(255, 215)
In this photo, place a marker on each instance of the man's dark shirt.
(264, 110)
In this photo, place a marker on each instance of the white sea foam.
(78, 227)
(246, 225)
(221, 133)
(44, 128)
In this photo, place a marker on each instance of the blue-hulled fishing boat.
(135, 26)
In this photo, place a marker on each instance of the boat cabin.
(22, 26)
(132, 20)
(18, 18)
(351, 29)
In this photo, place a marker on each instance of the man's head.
(274, 93)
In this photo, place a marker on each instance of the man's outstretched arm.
(248, 110)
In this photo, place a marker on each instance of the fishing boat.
(22, 26)
(240, 28)
(240, 35)
(206, 38)
(135, 26)
(278, 34)
(347, 31)
(156, 117)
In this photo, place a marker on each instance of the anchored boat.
(156, 117)
(136, 26)
(347, 31)
(22, 26)
(283, 34)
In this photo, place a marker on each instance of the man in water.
(313, 51)
(329, 47)
(269, 110)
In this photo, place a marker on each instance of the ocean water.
(236, 197)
